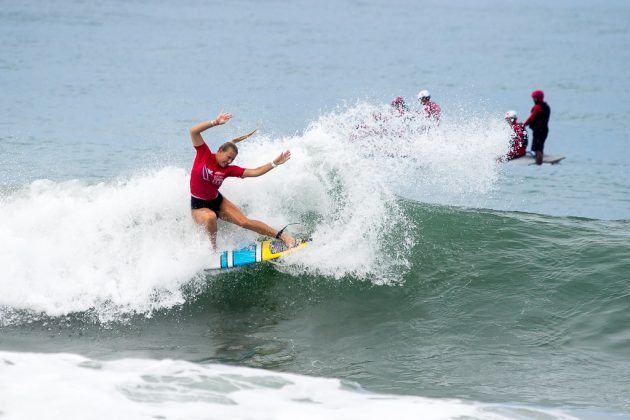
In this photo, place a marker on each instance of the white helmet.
(424, 94)
(510, 115)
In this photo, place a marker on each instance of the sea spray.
(129, 245)
(72, 246)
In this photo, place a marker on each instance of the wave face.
(468, 303)
(492, 303)
(127, 246)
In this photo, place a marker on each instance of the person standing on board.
(538, 121)
(208, 173)
(430, 110)
(518, 137)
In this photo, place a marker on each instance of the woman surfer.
(208, 172)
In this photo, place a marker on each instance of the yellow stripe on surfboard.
(268, 254)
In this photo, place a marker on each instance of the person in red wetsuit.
(208, 173)
(398, 106)
(518, 137)
(430, 109)
(538, 121)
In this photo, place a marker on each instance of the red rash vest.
(517, 141)
(207, 176)
(535, 111)
(432, 110)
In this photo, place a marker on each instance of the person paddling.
(208, 173)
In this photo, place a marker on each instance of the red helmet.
(538, 94)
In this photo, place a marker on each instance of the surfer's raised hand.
(222, 118)
(284, 156)
(196, 130)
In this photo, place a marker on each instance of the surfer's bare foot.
(288, 240)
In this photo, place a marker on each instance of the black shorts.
(214, 205)
(538, 144)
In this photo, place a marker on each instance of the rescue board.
(530, 159)
(252, 254)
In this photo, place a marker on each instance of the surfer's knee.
(204, 217)
(210, 219)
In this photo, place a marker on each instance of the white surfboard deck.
(530, 159)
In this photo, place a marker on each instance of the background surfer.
(518, 136)
(430, 110)
(538, 121)
(208, 172)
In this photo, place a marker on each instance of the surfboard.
(252, 254)
(530, 159)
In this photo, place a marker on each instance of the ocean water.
(440, 283)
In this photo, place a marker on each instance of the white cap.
(510, 115)
(424, 94)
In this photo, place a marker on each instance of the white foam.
(118, 246)
(328, 179)
(66, 386)
(453, 161)
(129, 245)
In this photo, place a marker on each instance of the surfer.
(518, 137)
(398, 109)
(380, 124)
(430, 110)
(398, 106)
(538, 122)
(208, 173)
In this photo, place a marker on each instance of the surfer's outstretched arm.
(195, 131)
(261, 170)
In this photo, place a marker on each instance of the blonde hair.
(232, 143)
(241, 138)
(227, 146)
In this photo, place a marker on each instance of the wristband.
(273, 164)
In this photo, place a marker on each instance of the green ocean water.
(495, 306)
